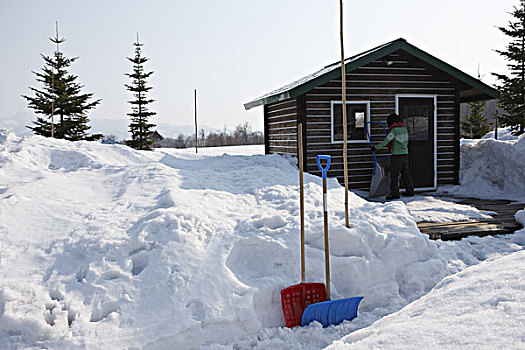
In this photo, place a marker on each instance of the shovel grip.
(324, 170)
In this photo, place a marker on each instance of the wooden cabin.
(395, 77)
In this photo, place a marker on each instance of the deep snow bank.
(102, 241)
(481, 307)
(106, 247)
(492, 169)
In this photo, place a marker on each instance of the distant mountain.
(18, 123)
(118, 127)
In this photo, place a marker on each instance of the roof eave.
(350, 66)
(309, 85)
(490, 92)
(266, 100)
(487, 92)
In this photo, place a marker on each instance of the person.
(397, 141)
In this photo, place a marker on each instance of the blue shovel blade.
(332, 312)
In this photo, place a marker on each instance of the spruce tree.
(476, 124)
(142, 132)
(61, 97)
(512, 88)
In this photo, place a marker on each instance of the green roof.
(478, 90)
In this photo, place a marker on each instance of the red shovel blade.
(296, 298)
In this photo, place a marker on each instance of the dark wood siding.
(379, 82)
(280, 120)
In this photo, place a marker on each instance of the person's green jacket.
(399, 138)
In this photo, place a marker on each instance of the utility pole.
(345, 131)
(196, 134)
(496, 116)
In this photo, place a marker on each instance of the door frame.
(435, 132)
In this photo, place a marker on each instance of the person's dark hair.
(392, 118)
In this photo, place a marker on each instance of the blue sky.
(231, 51)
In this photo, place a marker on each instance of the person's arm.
(387, 139)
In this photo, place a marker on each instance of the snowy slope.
(492, 169)
(482, 307)
(107, 247)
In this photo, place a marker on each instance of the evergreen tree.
(476, 124)
(142, 133)
(61, 98)
(512, 87)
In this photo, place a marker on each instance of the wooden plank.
(484, 202)
(281, 126)
(301, 118)
(266, 131)
(283, 111)
(319, 120)
(456, 138)
(281, 105)
(281, 118)
(389, 83)
(282, 123)
(277, 137)
(284, 143)
(458, 236)
(446, 162)
(315, 112)
(480, 226)
(424, 224)
(503, 222)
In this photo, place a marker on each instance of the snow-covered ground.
(492, 169)
(106, 247)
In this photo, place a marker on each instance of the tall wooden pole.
(196, 134)
(301, 199)
(53, 90)
(345, 131)
(52, 102)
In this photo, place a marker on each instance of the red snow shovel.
(296, 298)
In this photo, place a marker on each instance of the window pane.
(417, 119)
(359, 119)
(356, 118)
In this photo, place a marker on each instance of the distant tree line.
(242, 135)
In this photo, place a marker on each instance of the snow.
(434, 209)
(504, 134)
(107, 247)
(492, 169)
(466, 310)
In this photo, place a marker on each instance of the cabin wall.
(379, 82)
(280, 124)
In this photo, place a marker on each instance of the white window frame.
(367, 119)
(435, 132)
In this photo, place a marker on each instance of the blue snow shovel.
(330, 312)
(380, 183)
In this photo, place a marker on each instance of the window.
(417, 113)
(357, 115)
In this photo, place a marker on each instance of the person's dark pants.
(399, 165)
